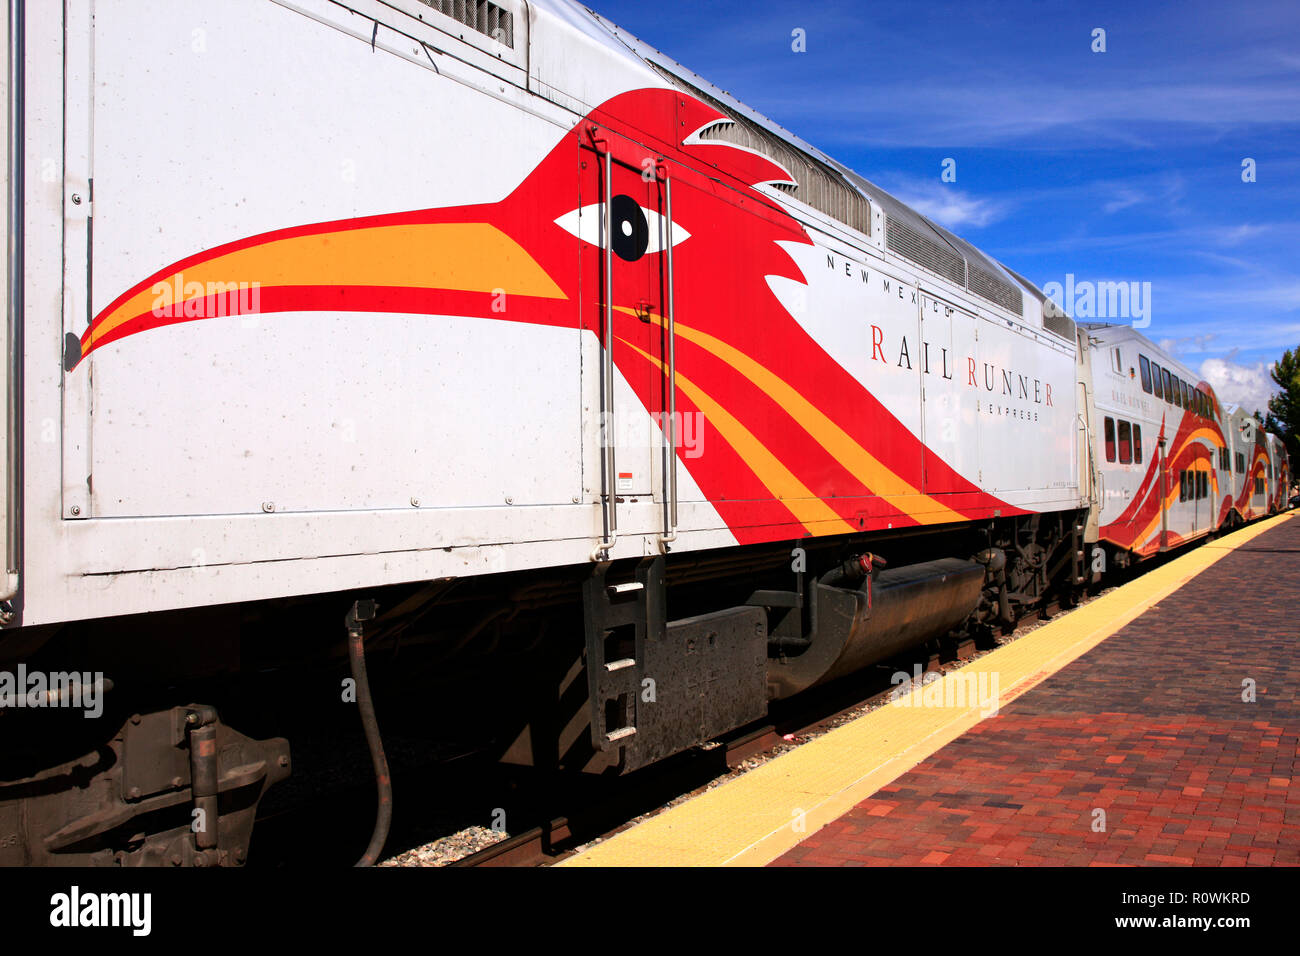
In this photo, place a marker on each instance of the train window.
(1203, 481)
(1125, 443)
(1145, 367)
(1182, 486)
(1155, 380)
(1110, 438)
(1137, 444)
(1169, 385)
(1259, 486)
(1178, 393)
(1241, 463)
(1117, 362)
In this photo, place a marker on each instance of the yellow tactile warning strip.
(755, 818)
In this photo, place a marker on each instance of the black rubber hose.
(383, 783)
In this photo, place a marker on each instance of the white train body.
(263, 444)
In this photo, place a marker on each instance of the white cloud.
(1246, 385)
(1124, 198)
(1188, 344)
(1239, 234)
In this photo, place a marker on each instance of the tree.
(1284, 408)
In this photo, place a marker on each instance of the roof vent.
(994, 288)
(815, 183)
(481, 16)
(924, 251)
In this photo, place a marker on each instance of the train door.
(950, 411)
(1165, 486)
(1199, 479)
(1088, 470)
(622, 217)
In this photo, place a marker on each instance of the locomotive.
(602, 398)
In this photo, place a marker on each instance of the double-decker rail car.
(1252, 464)
(1279, 474)
(1160, 446)
(632, 410)
(1173, 463)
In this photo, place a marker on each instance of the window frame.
(1108, 438)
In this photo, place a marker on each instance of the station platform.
(1158, 724)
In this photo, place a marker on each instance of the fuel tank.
(857, 624)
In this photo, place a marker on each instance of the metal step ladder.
(620, 619)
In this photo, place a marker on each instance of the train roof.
(908, 233)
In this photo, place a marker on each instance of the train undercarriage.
(605, 668)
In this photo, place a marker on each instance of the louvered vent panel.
(814, 182)
(989, 285)
(1062, 325)
(922, 250)
(481, 16)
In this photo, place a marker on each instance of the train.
(482, 339)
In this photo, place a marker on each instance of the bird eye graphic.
(636, 231)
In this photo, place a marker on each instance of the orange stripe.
(813, 513)
(863, 465)
(461, 256)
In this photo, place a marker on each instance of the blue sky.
(1117, 166)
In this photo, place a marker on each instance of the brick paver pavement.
(1149, 729)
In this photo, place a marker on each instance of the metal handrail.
(670, 458)
(608, 476)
